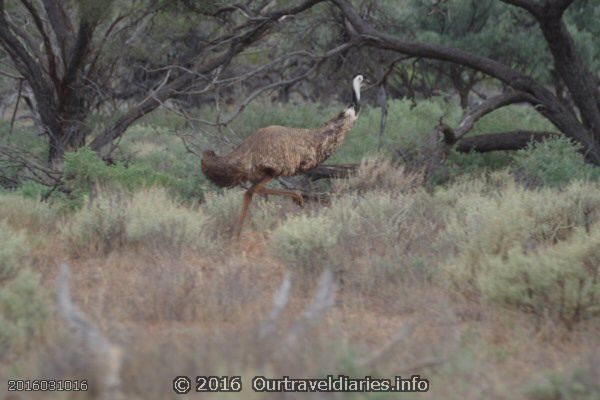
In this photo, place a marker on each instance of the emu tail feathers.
(219, 172)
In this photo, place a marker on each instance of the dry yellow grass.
(190, 310)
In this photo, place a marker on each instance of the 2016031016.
(47, 385)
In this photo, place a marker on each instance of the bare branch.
(492, 104)
(236, 43)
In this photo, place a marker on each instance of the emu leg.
(247, 200)
(297, 197)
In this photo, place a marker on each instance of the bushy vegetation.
(496, 245)
(306, 241)
(84, 170)
(174, 227)
(554, 162)
(14, 247)
(518, 248)
(149, 218)
(24, 306)
(378, 173)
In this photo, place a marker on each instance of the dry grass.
(199, 306)
(379, 173)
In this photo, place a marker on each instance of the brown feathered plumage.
(277, 151)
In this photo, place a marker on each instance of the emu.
(276, 151)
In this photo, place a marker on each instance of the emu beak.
(366, 84)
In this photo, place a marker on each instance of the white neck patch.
(356, 87)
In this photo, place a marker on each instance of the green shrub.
(554, 162)
(306, 241)
(153, 218)
(559, 281)
(369, 221)
(99, 227)
(149, 217)
(528, 249)
(84, 170)
(23, 309)
(13, 250)
(32, 190)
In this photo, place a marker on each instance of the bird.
(278, 151)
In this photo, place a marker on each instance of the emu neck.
(330, 137)
(356, 96)
(355, 102)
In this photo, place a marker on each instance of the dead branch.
(514, 140)
(473, 115)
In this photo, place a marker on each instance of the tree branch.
(51, 59)
(514, 140)
(236, 43)
(61, 24)
(492, 104)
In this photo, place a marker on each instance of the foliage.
(148, 218)
(99, 227)
(84, 170)
(13, 250)
(554, 162)
(305, 241)
(24, 212)
(23, 309)
(516, 248)
(173, 227)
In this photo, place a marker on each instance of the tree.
(84, 42)
(579, 120)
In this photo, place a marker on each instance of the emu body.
(276, 151)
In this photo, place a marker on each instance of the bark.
(515, 140)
